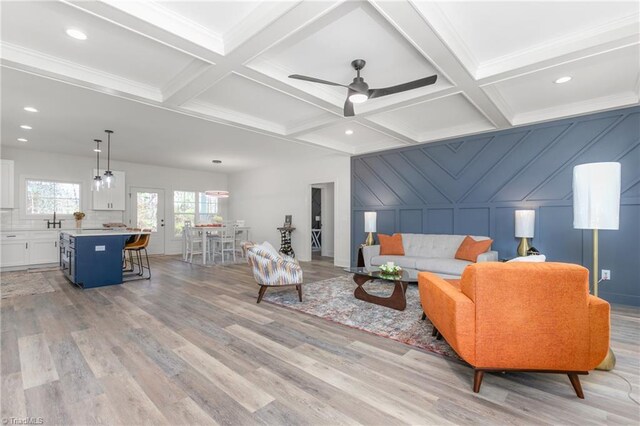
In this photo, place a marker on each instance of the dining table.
(203, 232)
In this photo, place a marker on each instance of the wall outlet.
(606, 275)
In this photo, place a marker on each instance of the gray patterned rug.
(333, 300)
(23, 283)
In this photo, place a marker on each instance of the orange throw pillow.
(391, 245)
(470, 249)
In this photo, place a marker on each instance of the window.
(186, 209)
(46, 197)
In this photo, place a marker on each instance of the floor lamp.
(596, 205)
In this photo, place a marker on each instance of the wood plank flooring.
(191, 346)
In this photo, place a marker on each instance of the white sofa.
(428, 252)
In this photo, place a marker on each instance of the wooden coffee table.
(401, 281)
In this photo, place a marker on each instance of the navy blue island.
(93, 258)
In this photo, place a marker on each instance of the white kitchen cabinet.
(15, 249)
(6, 184)
(24, 248)
(110, 199)
(43, 247)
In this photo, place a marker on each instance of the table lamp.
(370, 226)
(596, 205)
(525, 224)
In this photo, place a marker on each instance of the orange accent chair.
(536, 317)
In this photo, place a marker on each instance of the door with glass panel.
(147, 212)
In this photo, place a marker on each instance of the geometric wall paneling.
(618, 258)
(411, 221)
(612, 136)
(386, 222)
(252, 100)
(440, 221)
(534, 96)
(556, 235)
(472, 221)
(431, 120)
(472, 186)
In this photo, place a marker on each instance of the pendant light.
(109, 178)
(97, 180)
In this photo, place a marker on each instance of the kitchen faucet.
(54, 223)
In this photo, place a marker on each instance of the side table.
(285, 240)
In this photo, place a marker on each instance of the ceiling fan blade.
(348, 107)
(376, 93)
(315, 80)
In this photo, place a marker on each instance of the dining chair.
(193, 243)
(225, 242)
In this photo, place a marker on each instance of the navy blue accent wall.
(472, 185)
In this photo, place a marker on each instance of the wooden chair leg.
(424, 316)
(299, 288)
(261, 292)
(477, 380)
(575, 382)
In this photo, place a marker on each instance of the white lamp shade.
(525, 223)
(370, 221)
(596, 196)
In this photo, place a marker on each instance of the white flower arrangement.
(390, 268)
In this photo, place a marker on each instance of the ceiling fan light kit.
(359, 92)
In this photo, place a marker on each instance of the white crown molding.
(577, 108)
(257, 20)
(230, 116)
(376, 147)
(193, 70)
(158, 15)
(436, 19)
(496, 97)
(21, 57)
(610, 32)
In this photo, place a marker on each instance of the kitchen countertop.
(99, 233)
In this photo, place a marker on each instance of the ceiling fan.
(359, 91)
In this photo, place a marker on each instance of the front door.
(147, 212)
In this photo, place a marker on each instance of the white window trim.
(173, 211)
(23, 198)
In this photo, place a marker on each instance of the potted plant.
(78, 216)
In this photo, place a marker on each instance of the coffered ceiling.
(226, 64)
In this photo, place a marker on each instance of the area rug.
(333, 300)
(14, 284)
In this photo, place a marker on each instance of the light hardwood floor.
(192, 347)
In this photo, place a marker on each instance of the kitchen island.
(93, 258)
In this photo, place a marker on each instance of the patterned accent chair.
(271, 269)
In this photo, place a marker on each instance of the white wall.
(79, 169)
(263, 197)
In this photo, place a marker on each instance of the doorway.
(322, 221)
(147, 212)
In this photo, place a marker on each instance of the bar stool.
(138, 247)
(129, 243)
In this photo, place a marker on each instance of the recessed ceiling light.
(563, 80)
(216, 161)
(24, 126)
(348, 132)
(30, 109)
(22, 140)
(77, 34)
